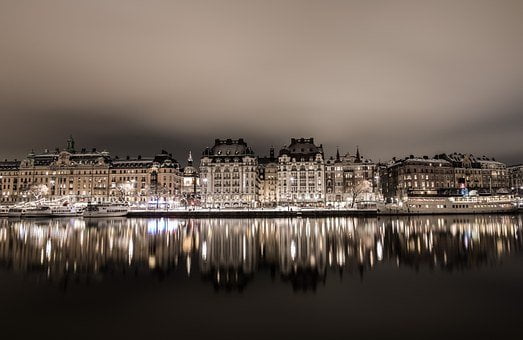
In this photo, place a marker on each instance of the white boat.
(65, 210)
(106, 210)
(451, 205)
(37, 211)
(4, 211)
(15, 211)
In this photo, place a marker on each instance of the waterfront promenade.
(240, 213)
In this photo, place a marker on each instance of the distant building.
(154, 180)
(444, 174)
(229, 175)
(516, 178)
(349, 179)
(483, 174)
(191, 180)
(301, 174)
(416, 176)
(89, 176)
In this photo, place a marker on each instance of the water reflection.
(229, 253)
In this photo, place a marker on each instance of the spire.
(189, 160)
(70, 144)
(358, 158)
(271, 152)
(337, 153)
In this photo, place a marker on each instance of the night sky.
(135, 77)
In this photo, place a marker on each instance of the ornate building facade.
(301, 174)
(88, 176)
(229, 175)
(349, 179)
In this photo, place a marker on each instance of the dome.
(302, 147)
(230, 147)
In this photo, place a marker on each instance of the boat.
(15, 211)
(4, 211)
(66, 210)
(106, 210)
(450, 205)
(37, 211)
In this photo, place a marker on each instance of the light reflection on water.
(230, 253)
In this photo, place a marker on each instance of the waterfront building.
(155, 180)
(268, 173)
(229, 175)
(190, 183)
(516, 178)
(301, 174)
(444, 174)
(486, 175)
(349, 179)
(416, 176)
(9, 171)
(88, 176)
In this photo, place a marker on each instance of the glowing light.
(204, 250)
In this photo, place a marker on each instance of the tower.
(189, 160)
(70, 144)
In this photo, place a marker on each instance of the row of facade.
(230, 174)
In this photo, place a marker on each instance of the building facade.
(268, 173)
(483, 174)
(349, 179)
(416, 176)
(89, 176)
(516, 179)
(190, 184)
(444, 174)
(301, 174)
(229, 175)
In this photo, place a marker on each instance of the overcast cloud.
(133, 77)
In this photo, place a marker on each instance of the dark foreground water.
(452, 277)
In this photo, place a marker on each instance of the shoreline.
(252, 213)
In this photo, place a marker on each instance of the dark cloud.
(131, 76)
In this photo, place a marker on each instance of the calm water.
(413, 278)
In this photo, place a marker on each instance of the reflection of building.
(231, 252)
(301, 174)
(228, 175)
(349, 179)
(89, 176)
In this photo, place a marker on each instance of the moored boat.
(66, 210)
(15, 211)
(450, 205)
(106, 210)
(37, 211)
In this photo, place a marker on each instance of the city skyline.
(197, 154)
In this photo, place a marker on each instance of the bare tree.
(38, 191)
(358, 190)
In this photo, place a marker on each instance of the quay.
(240, 213)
